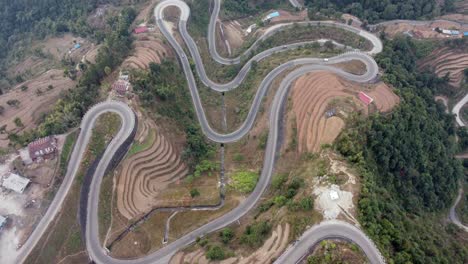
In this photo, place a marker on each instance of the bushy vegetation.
(68, 111)
(407, 164)
(23, 20)
(376, 10)
(243, 8)
(255, 234)
(163, 89)
(244, 181)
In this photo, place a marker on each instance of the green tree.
(226, 235)
(215, 253)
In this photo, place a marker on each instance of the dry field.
(445, 60)
(147, 173)
(35, 101)
(147, 48)
(314, 94)
(271, 249)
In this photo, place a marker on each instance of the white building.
(15, 182)
(334, 195)
(2, 221)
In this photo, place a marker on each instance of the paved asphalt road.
(456, 110)
(453, 214)
(329, 230)
(128, 121)
(305, 65)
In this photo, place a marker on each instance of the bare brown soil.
(384, 97)
(445, 60)
(423, 31)
(148, 48)
(286, 16)
(271, 249)
(34, 102)
(314, 94)
(147, 173)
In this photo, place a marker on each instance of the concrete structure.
(43, 148)
(334, 195)
(15, 182)
(2, 221)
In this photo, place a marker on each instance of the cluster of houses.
(451, 32)
(37, 152)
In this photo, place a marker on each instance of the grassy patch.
(139, 147)
(63, 236)
(66, 151)
(244, 181)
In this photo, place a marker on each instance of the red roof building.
(367, 100)
(121, 87)
(140, 30)
(43, 148)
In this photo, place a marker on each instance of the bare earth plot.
(316, 93)
(33, 102)
(147, 173)
(446, 60)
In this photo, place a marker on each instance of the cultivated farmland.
(146, 173)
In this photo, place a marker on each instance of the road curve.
(93, 246)
(456, 110)
(95, 250)
(332, 229)
(453, 213)
(128, 120)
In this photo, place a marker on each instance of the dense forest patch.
(376, 10)
(408, 167)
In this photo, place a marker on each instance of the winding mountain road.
(299, 67)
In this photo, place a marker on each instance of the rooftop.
(365, 98)
(42, 146)
(2, 221)
(15, 182)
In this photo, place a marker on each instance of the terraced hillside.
(316, 93)
(145, 173)
(270, 250)
(446, 60)
(148, 48)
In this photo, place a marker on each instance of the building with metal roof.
(15, 182)
(43, 148)
(367, 100)
(3, 221)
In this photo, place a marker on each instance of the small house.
(271, 15)
(330, 113)
(43, 148)
(121, 87)
(3, 221)
(15, 182)
(367, 100)
(141, 29)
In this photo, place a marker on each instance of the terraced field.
(148, 48)
(147, 172)
(446, 60)
(270, 250)
(315, 94)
